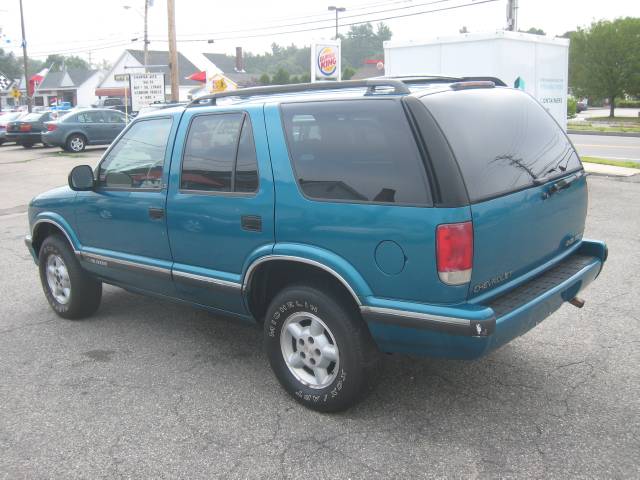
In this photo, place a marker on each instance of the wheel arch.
(270, 273)
(44, 227)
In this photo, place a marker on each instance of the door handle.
(156, 213)
(252, 223)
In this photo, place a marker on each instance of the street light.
(146, 37)
(337, 10)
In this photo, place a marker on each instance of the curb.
(605, 134)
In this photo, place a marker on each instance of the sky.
(102, 29)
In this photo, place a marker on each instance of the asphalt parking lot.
(149, 389)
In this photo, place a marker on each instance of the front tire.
(76, 143)
(71, 292)
(319, 348)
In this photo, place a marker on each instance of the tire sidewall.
(52, 247)
(84, 143)
(348, 382)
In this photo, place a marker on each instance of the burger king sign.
(325, 61)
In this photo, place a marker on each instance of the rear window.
(33, 117)
(361, 151)
(502, 138)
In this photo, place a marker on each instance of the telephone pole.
(146, 37)
(512, 15)
(173, 52)
(25, 59)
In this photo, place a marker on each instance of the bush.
(572, 106)
(628, 104)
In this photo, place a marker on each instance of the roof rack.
(424, 79)
(371, 85)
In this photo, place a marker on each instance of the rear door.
(514, 158)
(115, 123)
(220, 205)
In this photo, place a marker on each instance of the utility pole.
(25, 59)
(337, 10)
(512, 15)
(146, 37)
(173, 52)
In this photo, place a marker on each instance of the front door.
(122, 223)
(93, 123)
(220, 203)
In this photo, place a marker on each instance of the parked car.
(74, 131)
(5, 118)
(27, 130)
(61, 107)
(582, 104)
(347, 219)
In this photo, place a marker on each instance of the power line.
(351, 23)
(258, 35)
(423, 4)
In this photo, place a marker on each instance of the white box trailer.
(537, 64)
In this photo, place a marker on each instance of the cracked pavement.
(150, 389)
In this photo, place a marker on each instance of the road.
(604, 112)
(150, 389)
(616, 148)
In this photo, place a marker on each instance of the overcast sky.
(105, 28)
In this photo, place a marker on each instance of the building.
(189, 63)
(369, 69)
(75, 86)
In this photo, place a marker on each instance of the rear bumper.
(470, 331)
(24, 137)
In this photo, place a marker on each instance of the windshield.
(503, 140)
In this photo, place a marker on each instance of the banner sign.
(326, 61)
(146, 88)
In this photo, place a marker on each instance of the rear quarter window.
(502, 139)
(359, 151)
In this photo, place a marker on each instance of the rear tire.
(27, 145)
(76, 143)
(319, 348)
(71, 292)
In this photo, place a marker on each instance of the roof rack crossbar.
(371, 85)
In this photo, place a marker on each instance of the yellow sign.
(219, 85)
(15, 93)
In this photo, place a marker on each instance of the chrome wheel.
(58, 279)
(309, 350)
(76, 144)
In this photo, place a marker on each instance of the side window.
(220, 155)
(137, 159)
(114, 117)
(246, 178)
(360, 151)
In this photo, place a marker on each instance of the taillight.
(454, 252)
(51, 127)
(25, 127)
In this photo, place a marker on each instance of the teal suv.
(430, 216)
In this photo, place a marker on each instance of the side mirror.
(81, 178)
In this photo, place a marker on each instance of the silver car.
(77, 129)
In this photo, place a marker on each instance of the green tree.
(534, 31)
(604, 60)
(281, 77)
(10, 65)
(362, 43)
(264, 79)
(348, 73)
(73, 62)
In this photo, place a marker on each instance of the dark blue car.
(440, 219)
